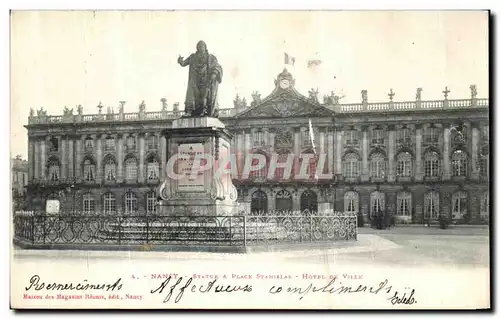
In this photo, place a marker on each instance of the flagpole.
(311, 136)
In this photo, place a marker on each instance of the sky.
(66, 58)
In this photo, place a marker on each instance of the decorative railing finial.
(100, 106)
(445, 92)
(391, 95)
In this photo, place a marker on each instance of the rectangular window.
(351, 138)
(153, 142)
(258, 139)
(432, 135)
(109, 144)
(378, 137)
(403, 136)
(88, 205)
(431, 204)
(404, 206)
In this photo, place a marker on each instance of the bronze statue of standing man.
(205, 75)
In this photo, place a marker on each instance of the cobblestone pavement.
(421, 246)
(405, 246)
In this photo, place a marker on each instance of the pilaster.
(391, 176)
(365, 172)
(446, 152)
(418, 153)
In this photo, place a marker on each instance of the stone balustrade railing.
(225, 113)
(411, 105)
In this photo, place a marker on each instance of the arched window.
(110, 169)
(153, 169)
(377, 166)
(459, 163)
(54, 171)
(88, 203)
(284, 201)
(151, 203)
(131, 169)
(88, 170)
(405, 164)
(403, 204)
(351, 166)
(459, 204)
(377, 203)
(351, 202)
(260, 173)
(259, 202)
(431, 205)
(309, 201)
(431, 163)
(485, 204)
(109, 201)
(484, 161)
(152, 142)
(130, 202)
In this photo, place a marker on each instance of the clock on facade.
(284, 83)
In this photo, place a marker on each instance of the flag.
(289, 59)
(313, 63)
(311, 136)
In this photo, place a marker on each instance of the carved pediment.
(285, 106)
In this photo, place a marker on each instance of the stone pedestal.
(197, 181)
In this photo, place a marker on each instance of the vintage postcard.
(250, 160)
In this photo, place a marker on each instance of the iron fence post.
(311, 227)
(119, 230)
(244, 230)
(230, 231)
(300, 228)
(147, 229)
(33, 228)
(43, 225)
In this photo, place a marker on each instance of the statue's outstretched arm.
(182, 61)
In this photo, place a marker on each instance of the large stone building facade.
(414, 160)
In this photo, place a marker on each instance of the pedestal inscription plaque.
(196, 183)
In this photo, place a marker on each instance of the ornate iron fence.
(32, 229)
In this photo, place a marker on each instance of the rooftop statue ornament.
(79, 109)
(364, 96)
(473, 91)
(67, 112)
(32, 112)
(205, 75)
(256, 98)
(142, 107)
(41, 112)
(313, 95)
(163, 104)
(120, 108)
(418, 96)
